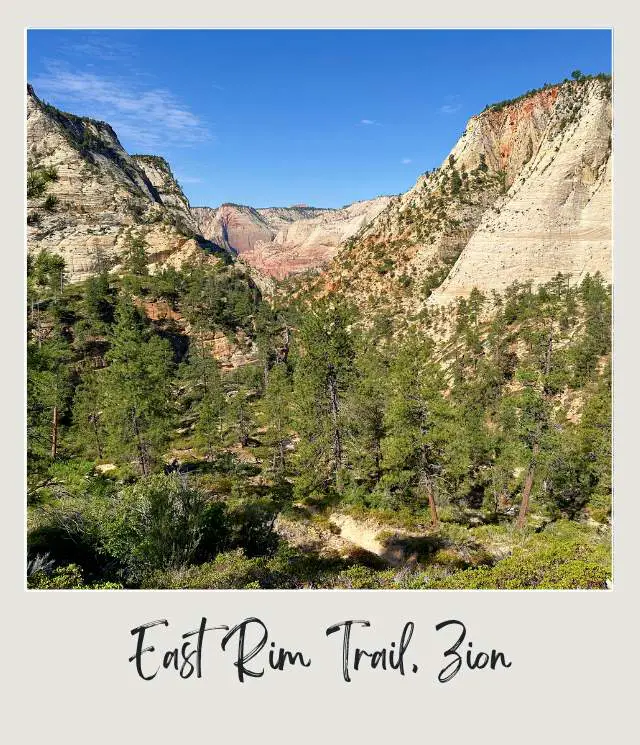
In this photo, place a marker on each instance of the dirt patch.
(396, 547)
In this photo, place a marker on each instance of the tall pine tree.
(323, 369)
(137, 390)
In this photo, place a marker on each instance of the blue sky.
(274, 118)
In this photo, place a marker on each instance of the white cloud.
(369, 122)
(452, 105)
(99, 46)
(406, 161)
(148, 117)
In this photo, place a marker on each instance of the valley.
(408, 392)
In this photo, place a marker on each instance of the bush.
(69, 577)
(565, 556)
(228, 571)
(50, 203)
(159, 522)
(251, 521)
(68, 534)
(36, 186)
(360, 577)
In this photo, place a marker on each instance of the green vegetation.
(38, 180)
(50, 202)
(485, 460)
(158, 161)
(576, 76)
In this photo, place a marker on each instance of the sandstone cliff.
(87, 197)
(556, 214)
(235, 226)
(523, 195)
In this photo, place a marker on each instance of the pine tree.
(594, 443)
(97, 302)
(595, 341)
(88, 415)
(210, 415)
(323, 369)
(240, 415)
(276, 411)
(135, 256)
(137, 389)
(203, 373)
(48, 395)
(422, 438)
(49, 274)
(272, 334)
(365, 407)
(525, 418)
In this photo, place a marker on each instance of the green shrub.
(160, 523)
(38, 179)
(36, 186)
(565, 556)
(50, 203)
(228, 571)
(69, 577)
(360, 577)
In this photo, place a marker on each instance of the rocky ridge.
(524, 194)
(87, 197)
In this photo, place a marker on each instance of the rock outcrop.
(87, 197)
(235, 226)
(556, 214)
(279, 241)
(524, 194)
(229, 350)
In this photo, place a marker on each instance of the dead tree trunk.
(526, 492)
(54, 433)
(337, 439)
(435, 521)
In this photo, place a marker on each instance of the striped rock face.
(524, 194)
(280, 241)
(556, 214)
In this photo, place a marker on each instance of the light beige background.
(65, 673)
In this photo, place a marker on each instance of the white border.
(572, 651)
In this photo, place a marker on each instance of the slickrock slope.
(524, 194)
(283, 241)
(556, 217)
(87, 197)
